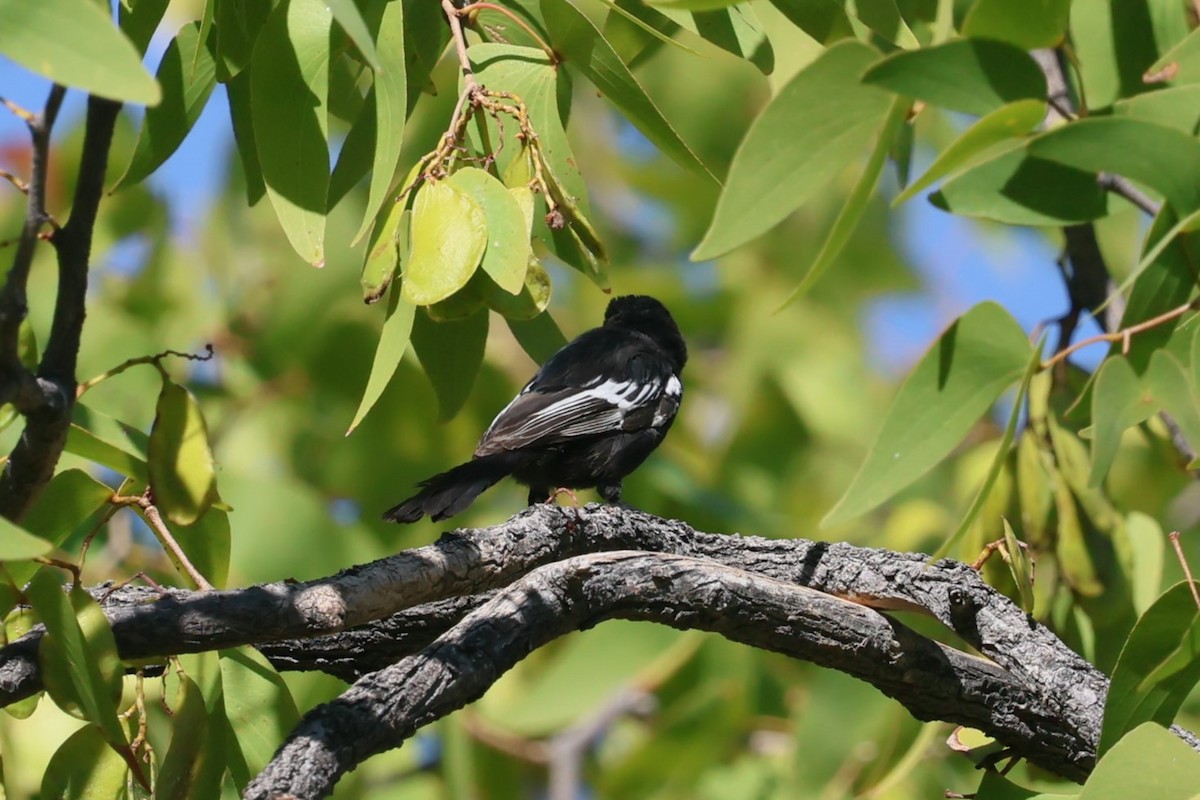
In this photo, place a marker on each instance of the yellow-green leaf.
(393, 342)
(508, 227)
(449, 234)
(182, 474)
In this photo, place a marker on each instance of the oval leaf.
(508, 226)
(449, 234)
(258, 704)
(1028, 24)
(974, 361)
(451, 353)
(1118, 402)
(75, 43)
(818, 123)
(182, 473)
(18, 544)
(388, 241)
(85, 767)
(190, 769)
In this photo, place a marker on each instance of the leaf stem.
(149, 511)
(1123, 335)
(133, 362)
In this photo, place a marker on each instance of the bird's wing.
(614, 389)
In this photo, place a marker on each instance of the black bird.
(589, 417)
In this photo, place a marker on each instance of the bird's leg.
(610, 493)
(538, 494)
(564, 490)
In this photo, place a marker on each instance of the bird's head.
(649, 317)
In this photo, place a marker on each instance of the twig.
(1187, 571)
(155, 359)
(460, 44)
(1125, 188)
(547, 49)
(1123, 335)
(28, 116)
(145, 504)
(21, 186)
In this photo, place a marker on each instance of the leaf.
(188, 75)
(1070, 544)
(238, 26)
(996, 787)
(390, 92)
(182, 473)
(241, 120)
(1146, 545)
(259, 706)
(448, 235)
(347, 15)
(206, 543)
(1149, 762)
(532, 300)
(1016, 189)
(539, 337)
(140, 20)
(76, 44)
(1019, 567)
(1005, 123)
(84, 767)
(955, 383)
(190, 769)
(1000, 459)
(389, 243)
(1167, 635)
(737, 30)
(451, 354)
(856, 204)
(1028, 24)
(583, 47)
(1184, 58)
(69, 499)
(823, 20)
(1176, 107)
(18, 544)
(1118, 402)
(393, 342)
(289, 109)
(816, 125)
(1168, 382)
(508, 226)
(1164, 158)
(694, 5)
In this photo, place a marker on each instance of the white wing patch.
(674, 386)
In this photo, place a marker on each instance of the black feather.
(589, 417)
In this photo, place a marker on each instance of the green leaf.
(1164, 158)
(969, 75)
(1118, 402)
(583, 47)
(823, 20)
(1147, 548)
(1075, 558)
(955, 383)
(182, 474)
(856, 204)
(1005, 123)
(1020, 567)
(347, 15)
(289, 85)
(508, 226)
(532, 300)
(818, 123)
(540, 337)
(448, 235)
(389, 243)
(1159, 665)
(140, 20)
(75, 43)
(393, 342)
(1176, 107)
(238, 25)
(694, 5)
(1148, 762)
(1028, 24)
(1170, 385)
(259, 707)
(188, 75)
(69, 499)
(18, 544)
(1183, 58)
(1018, 190)
(84, 767)
(206, 543)
(190, 769)
(451, 353)
(994, 786)
(241, 120)
(737, 30)
(1000, 459)
(390, 93)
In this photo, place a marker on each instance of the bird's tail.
(452, 491)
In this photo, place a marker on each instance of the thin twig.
(1123, 335)
(21, 186)
(155, 359)
(22, 113)
(546, 48)
(149, 511)
(1124, 188)
(1187, 571)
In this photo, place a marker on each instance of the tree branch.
(431, 589)
(386, 707)
(31, 463)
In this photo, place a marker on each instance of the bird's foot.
(575, 510)
(564, 490)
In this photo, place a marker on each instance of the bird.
(588, 418)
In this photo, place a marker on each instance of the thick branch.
(931, 680)
(31, 463)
